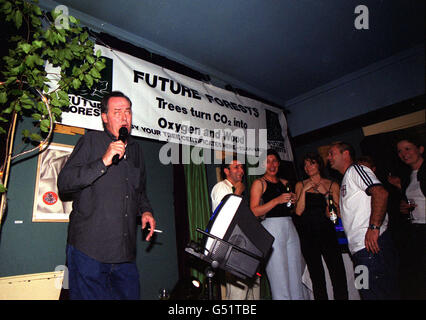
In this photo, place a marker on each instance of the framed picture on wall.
(48, 207)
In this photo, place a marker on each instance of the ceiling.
(275, 49)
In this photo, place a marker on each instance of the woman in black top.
(268, 199)
(316, 230)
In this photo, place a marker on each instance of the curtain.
(250, 178)
(198, 203)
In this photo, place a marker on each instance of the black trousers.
(413, 262)
(321, 240)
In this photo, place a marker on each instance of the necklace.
(316, 185)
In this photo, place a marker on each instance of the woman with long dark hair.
(316, 230)
(268, 199)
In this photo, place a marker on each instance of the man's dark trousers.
(89, 279)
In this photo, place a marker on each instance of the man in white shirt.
(363, 202)
(233, 183)
(236, 289)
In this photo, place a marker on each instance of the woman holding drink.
(272, 201)
(316, 228)
(413, 187)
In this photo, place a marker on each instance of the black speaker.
(235, 223)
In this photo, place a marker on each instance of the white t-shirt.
(220, 190)
(415, 193)
(355, 205)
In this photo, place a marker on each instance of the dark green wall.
(34, 247)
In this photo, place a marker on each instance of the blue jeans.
(89, 279)
(381, 271)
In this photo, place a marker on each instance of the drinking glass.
(412, 205)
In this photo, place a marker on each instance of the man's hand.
(371, 238)
(116, 147)
(379, 198)
(148, 218)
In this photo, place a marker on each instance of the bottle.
(332, 209)
(288, 190)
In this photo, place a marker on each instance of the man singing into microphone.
(107, 199)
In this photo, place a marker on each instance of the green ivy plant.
(43, 38)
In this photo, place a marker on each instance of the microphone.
(122, 135)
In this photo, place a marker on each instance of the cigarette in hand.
(156, 230)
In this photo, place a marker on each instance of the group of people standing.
(109, 195)
(301, 225)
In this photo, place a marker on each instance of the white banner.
(168, 106)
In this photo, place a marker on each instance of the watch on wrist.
(373, 227)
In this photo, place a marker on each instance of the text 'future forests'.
(176, 88)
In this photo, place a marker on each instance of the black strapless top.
(315, 209)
